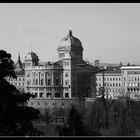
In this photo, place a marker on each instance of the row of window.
(134, 84)
(18, 79)
(41, 82)
(112, 90)
(49, 95)
(108, 79)
(132, 79)
(35, 74)
(109, 84)
(17, 83)
(133, 90)
(46, 104)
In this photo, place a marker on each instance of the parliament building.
(56, 84)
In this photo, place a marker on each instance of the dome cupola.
(70, 47)
(70, 42)
(33, 58)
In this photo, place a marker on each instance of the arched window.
(57, 81)
(36, 82)
(42, 82)
(41, 94)
(49, 95)
(66, 95)
(35, 94)
(57, 94)
(49, 81)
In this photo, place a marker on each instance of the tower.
(70, 52)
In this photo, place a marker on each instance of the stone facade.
(59, 83)
(124, 81)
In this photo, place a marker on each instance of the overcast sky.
(108, 32)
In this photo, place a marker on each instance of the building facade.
(56, 84)
(124, 81)
(112, 83)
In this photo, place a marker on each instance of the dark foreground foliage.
(15, 117)
(74, 125)
(119, 117)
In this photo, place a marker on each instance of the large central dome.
(70, 43)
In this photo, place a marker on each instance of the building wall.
(131, 81)
(112, 83)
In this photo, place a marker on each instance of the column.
(52, 78)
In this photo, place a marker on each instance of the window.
(66, 63)
(62, 104)
(66, 75)
(28, 64)
(66, 82)
(42, 82)
(57, 81)
(49, 95)
(35, 94)
(49, 81)
(110, 79)
(66, 95)
(28, 82)
(61, 55)
(41, 94)
(28, 74)
(36, 82)
(57, 95)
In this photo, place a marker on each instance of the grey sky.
(109, 32)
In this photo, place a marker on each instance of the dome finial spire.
(18, 54)
(31, 47)
(70, 32)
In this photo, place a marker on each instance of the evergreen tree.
(74, 125)
(15, 117)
